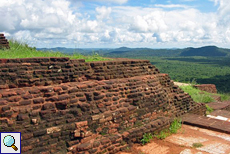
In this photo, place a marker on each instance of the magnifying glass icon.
(9, 141)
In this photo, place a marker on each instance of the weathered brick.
(35, 107)
(57, 89)
(84, 146)
(81, 124)
(14, 99)
(46, 114)
(5, 108)
(22, 117)
(25, 102)
(53, 129)
(8, 113)
(8, 94)
(61, 104)
(49, 94)
(3, 102)
(72, 101)
(39, 133)
(96, 144)
(52, 99)
(27, 148)
(27, 96)
(47, 106)
(38, 100)
(26, 136)
(104, 141)
(63, 97)
(72, 90)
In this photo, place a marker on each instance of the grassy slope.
(202, 96)
(21, 50)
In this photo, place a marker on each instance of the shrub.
(146, 138)
(209, 109)
(175, 125)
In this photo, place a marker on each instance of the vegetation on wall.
(22, 50)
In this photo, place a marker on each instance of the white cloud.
(106, 1)
(60, 22)
(171, 6)
(103, 12)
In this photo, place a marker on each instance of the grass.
(202, 96)
(225, 97)
(146, 138)
(209, 109)
(197, 95)
(174, 127)
(22, 50)
(163, 134)
(197, 145)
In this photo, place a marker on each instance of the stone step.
(207, 122)
(222, 113)
(219, 105)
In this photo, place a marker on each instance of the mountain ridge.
(206, 51)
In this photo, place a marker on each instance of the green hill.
(207, 51)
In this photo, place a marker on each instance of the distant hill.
(62, 49)
(207, 51)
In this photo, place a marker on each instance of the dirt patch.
(182, 143)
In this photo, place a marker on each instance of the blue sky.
(116, 23)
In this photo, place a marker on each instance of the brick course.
(3, 42)
(211, 88)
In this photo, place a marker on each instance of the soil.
(182, 143)
(181, 84)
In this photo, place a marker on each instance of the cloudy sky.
(116, 23)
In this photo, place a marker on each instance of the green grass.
(22, 50)
(225, 97)
(174, 127)
(197, 95)
(202, 96)
(197, 145)
(209, 109)
(163, 134)
(146, 138)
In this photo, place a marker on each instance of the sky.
(117, 23)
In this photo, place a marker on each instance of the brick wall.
(27, 72)
(109, 106)
(3, 42)
(211, 88)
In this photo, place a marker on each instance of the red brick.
(63, 97)
(26, 136)
(61, 104)
(7, 94)
(81, 124)
(38, 100)
(25, 102)
(27, 148)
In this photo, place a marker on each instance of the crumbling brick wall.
(3, 42)
(25, 72)
(211, 88)
(103, 109)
